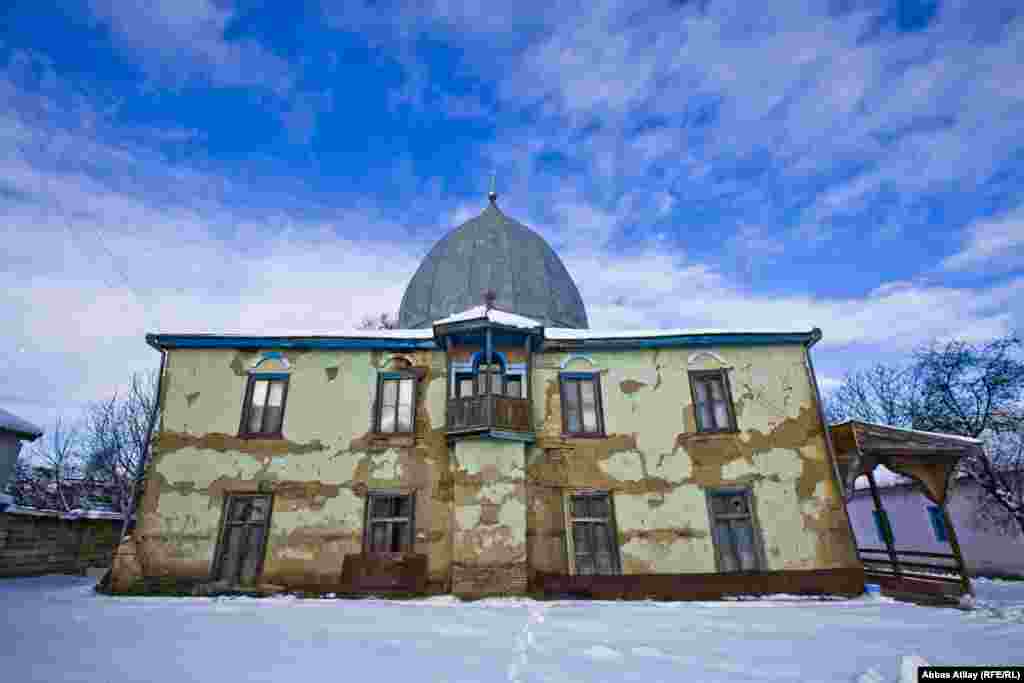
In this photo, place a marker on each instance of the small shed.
(927, 458)
(13, 430)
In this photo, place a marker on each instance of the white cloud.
(177, 41)
(992, 244)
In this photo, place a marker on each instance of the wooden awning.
(927, 457)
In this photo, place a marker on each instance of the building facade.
(496, 449)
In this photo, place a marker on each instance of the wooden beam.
(488, 396)
(528, 384)
(965, 579)
(887, 532)
(450, 380)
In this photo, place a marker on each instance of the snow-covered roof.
(426, 333)
(491, 314)
(567, 333)
(954, 437)
(73, 514)
(10, 422)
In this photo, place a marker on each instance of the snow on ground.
(58, 629)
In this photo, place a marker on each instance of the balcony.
(480, 413)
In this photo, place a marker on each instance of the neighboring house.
(917, 524)
(13, 430)
(491, 449)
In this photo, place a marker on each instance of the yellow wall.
(657, 467)
(503, 501)
(319, 473)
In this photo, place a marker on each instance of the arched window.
(502, 382)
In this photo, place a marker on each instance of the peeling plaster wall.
(658, 467)
(319, 473)
(489, 511)
(490, 515)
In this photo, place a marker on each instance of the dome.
(492, 252)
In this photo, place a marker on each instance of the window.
(581, 404)
(263, 407)
(465, 385)
(712, 401)
(243, 538)
(475, 384)
(938, 521)
(514, 386)
(396, 403)
(389, 524)
(595, 547)
(736, 537)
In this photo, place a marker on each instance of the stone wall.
(48, 543)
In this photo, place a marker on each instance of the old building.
(492, 449)
(13, 430)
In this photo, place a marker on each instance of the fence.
(48, 542)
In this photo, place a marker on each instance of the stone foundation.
(477, 582)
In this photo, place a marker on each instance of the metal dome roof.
(492, 252)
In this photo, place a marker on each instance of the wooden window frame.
(701, 375)
(378, 404)
(461, 377)
(368, 519)
(610, 522)
(243, 425)
(755, 524)
(218, 552)
(563, 379)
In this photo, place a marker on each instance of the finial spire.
(493, 195)
(490, 296)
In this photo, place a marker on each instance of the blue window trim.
(396, 375)
(578, 375)
(268, 375)
(478, 358)
(938, 521)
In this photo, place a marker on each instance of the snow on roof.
(12, 423)
(884, 477)
(493, 315)
(955, 437)
(73, 514)
(425, 333)
(567, 333)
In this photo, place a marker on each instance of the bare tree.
(45, 472)
(882, 394)
(955, 388)
(998, 502)
(117, 433)
(978, 391)
(385, 321)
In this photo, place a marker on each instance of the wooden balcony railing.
(489, 412)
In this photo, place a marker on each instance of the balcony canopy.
(926, 457)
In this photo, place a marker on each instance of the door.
(243, 539)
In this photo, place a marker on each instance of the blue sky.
(269, 167)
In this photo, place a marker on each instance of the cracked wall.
(658, 467)
(319, 473)
(488, 512)
(490, 518)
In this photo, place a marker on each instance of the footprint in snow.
(602, 653)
